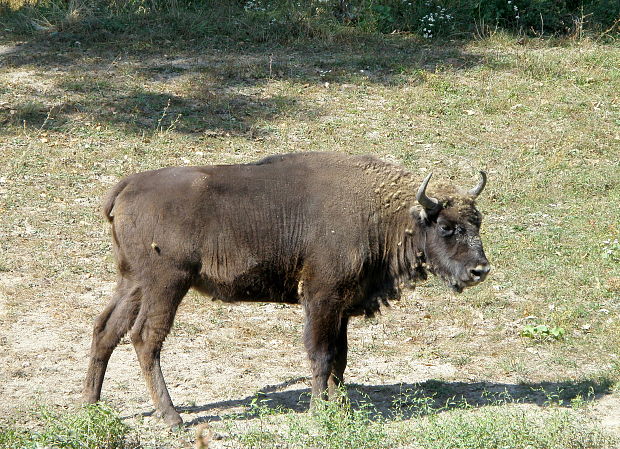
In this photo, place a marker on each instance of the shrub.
(287, 20)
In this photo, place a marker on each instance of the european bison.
(337, 233)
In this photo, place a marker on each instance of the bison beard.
(339, 234)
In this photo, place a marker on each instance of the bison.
(336, 233)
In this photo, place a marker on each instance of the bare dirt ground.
(216, 359)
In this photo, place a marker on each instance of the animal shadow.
(407, 400)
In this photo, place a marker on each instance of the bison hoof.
(172, 419)
(89, 398)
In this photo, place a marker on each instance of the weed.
(542, 332)
(171, 126)
(413, 403)
(611, 250)
(259, 406)
(434, 21)
(514, 365)
(11, 438)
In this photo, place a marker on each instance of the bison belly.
(261, 283)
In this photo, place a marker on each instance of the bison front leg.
(321, 335)
(151, 327)
(336, 379)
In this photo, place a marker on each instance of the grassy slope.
(543, 118)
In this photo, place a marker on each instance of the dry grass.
(542, 118)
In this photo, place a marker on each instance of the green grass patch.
(508, 426)
(93, 427)
(500, 424)
(329, 425)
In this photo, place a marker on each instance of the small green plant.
(611, 250)
(11, 438)
(435, 20)
(502, 423)
(413, 403)
(284, 20)
(259, 406)
(541, 332)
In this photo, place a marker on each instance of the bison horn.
(426, 202)
(480, 187)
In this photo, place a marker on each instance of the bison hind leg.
(110, 326)
(158, 308)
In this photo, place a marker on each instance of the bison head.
(450, 234)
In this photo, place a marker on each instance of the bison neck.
(404, 262)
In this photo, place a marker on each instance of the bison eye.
(446, 230)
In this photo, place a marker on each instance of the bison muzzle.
(338, 234)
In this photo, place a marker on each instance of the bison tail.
(108, 204)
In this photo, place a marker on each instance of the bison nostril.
(480, 271)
